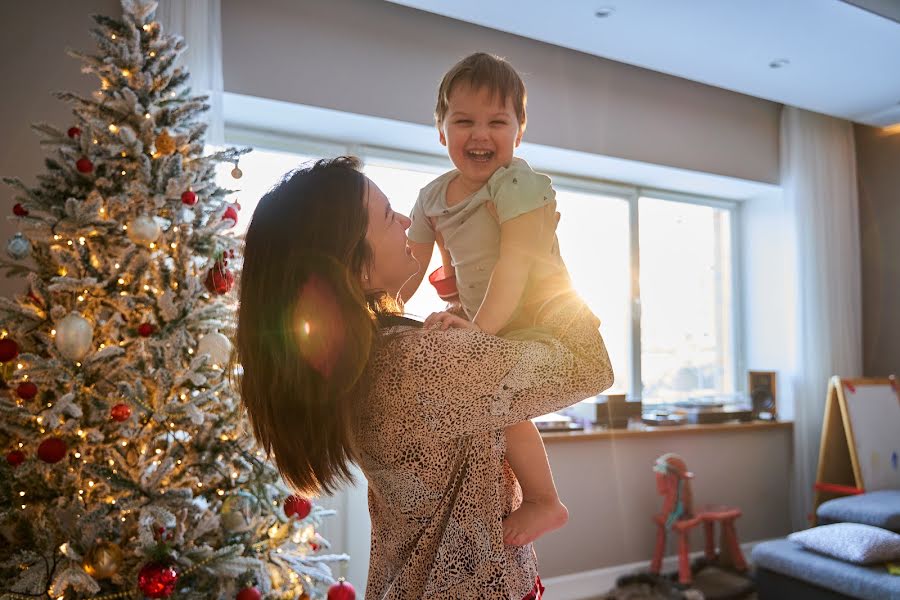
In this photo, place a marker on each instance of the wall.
(878, 170)
(380, 59)
(609, 489)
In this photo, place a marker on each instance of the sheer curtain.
(199, 22)
(818, 172)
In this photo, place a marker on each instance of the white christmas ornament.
(73, 336)
(18, 247)
(143, 230)
(217, 346)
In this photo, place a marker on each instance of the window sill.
(640, 430)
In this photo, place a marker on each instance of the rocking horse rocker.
(678, 515)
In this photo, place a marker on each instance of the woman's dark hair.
(306, 328)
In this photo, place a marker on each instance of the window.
(670, 338)
(594, 238)
(262, 169)
(687, 341)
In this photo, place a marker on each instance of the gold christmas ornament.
(165, 143)
(103, 560)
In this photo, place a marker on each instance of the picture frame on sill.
(762, 389)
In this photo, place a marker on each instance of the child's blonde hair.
(482, 70)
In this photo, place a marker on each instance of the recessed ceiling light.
(779, 63)
(606, 11)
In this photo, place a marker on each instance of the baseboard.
(590, 584)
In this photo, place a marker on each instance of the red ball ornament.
(189, 198)
(84, 165)
(157, 580)
(249, 593)
(120, 412)
(219, 279)
(52, 450)
(27, 390)
(297, 506)
(15, 458)
(146, 329)
(341, 591)
(73, 132)
(8, 350)
(19, 210)
(231, 213)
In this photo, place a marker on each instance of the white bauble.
(18, 247)
(143, 230)
(217, 346)
(73, 336)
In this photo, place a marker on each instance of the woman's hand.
(445, 320)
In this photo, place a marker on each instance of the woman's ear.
(443, 138)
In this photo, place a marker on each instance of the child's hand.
(445, 320)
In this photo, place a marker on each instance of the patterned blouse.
(432, 447)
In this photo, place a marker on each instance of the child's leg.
(541, 510)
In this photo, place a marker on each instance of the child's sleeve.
(517, 189)
(420, 230)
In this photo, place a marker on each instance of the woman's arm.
(463, 382)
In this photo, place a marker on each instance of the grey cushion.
(853, 542)
(789, 558)
(881, 509)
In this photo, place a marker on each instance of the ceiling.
(844, 57)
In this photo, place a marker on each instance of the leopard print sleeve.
(471, 382)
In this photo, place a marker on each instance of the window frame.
(240, 135)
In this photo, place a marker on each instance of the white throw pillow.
(852, 542)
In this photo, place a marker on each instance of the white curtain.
(818, 172)
(199, 22)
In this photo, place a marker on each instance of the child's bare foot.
(532, 520)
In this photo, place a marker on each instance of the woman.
(332, 374)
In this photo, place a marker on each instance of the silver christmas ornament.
(143, 230)
(18, 247)
(217, 346)
(73, 336)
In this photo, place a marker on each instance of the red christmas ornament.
(157, 580)
(120, 412)
(219, 279)
(8, 350)
(52, 450)
(341, 591)
(73, 132)
(84, 165)
(297, 506)
(146, 329)
(231, 213)
(15, 458)
(189, 198)
(19, 210)
(249, 593)
(27, 390)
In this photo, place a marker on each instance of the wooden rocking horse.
(678, 515)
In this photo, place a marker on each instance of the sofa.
(786, 570)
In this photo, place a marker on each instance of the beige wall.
(380, 59)
(878, 168)
(35, 37)
(610, 491)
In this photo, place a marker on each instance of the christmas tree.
(129, 472)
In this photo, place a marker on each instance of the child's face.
(480, 132)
